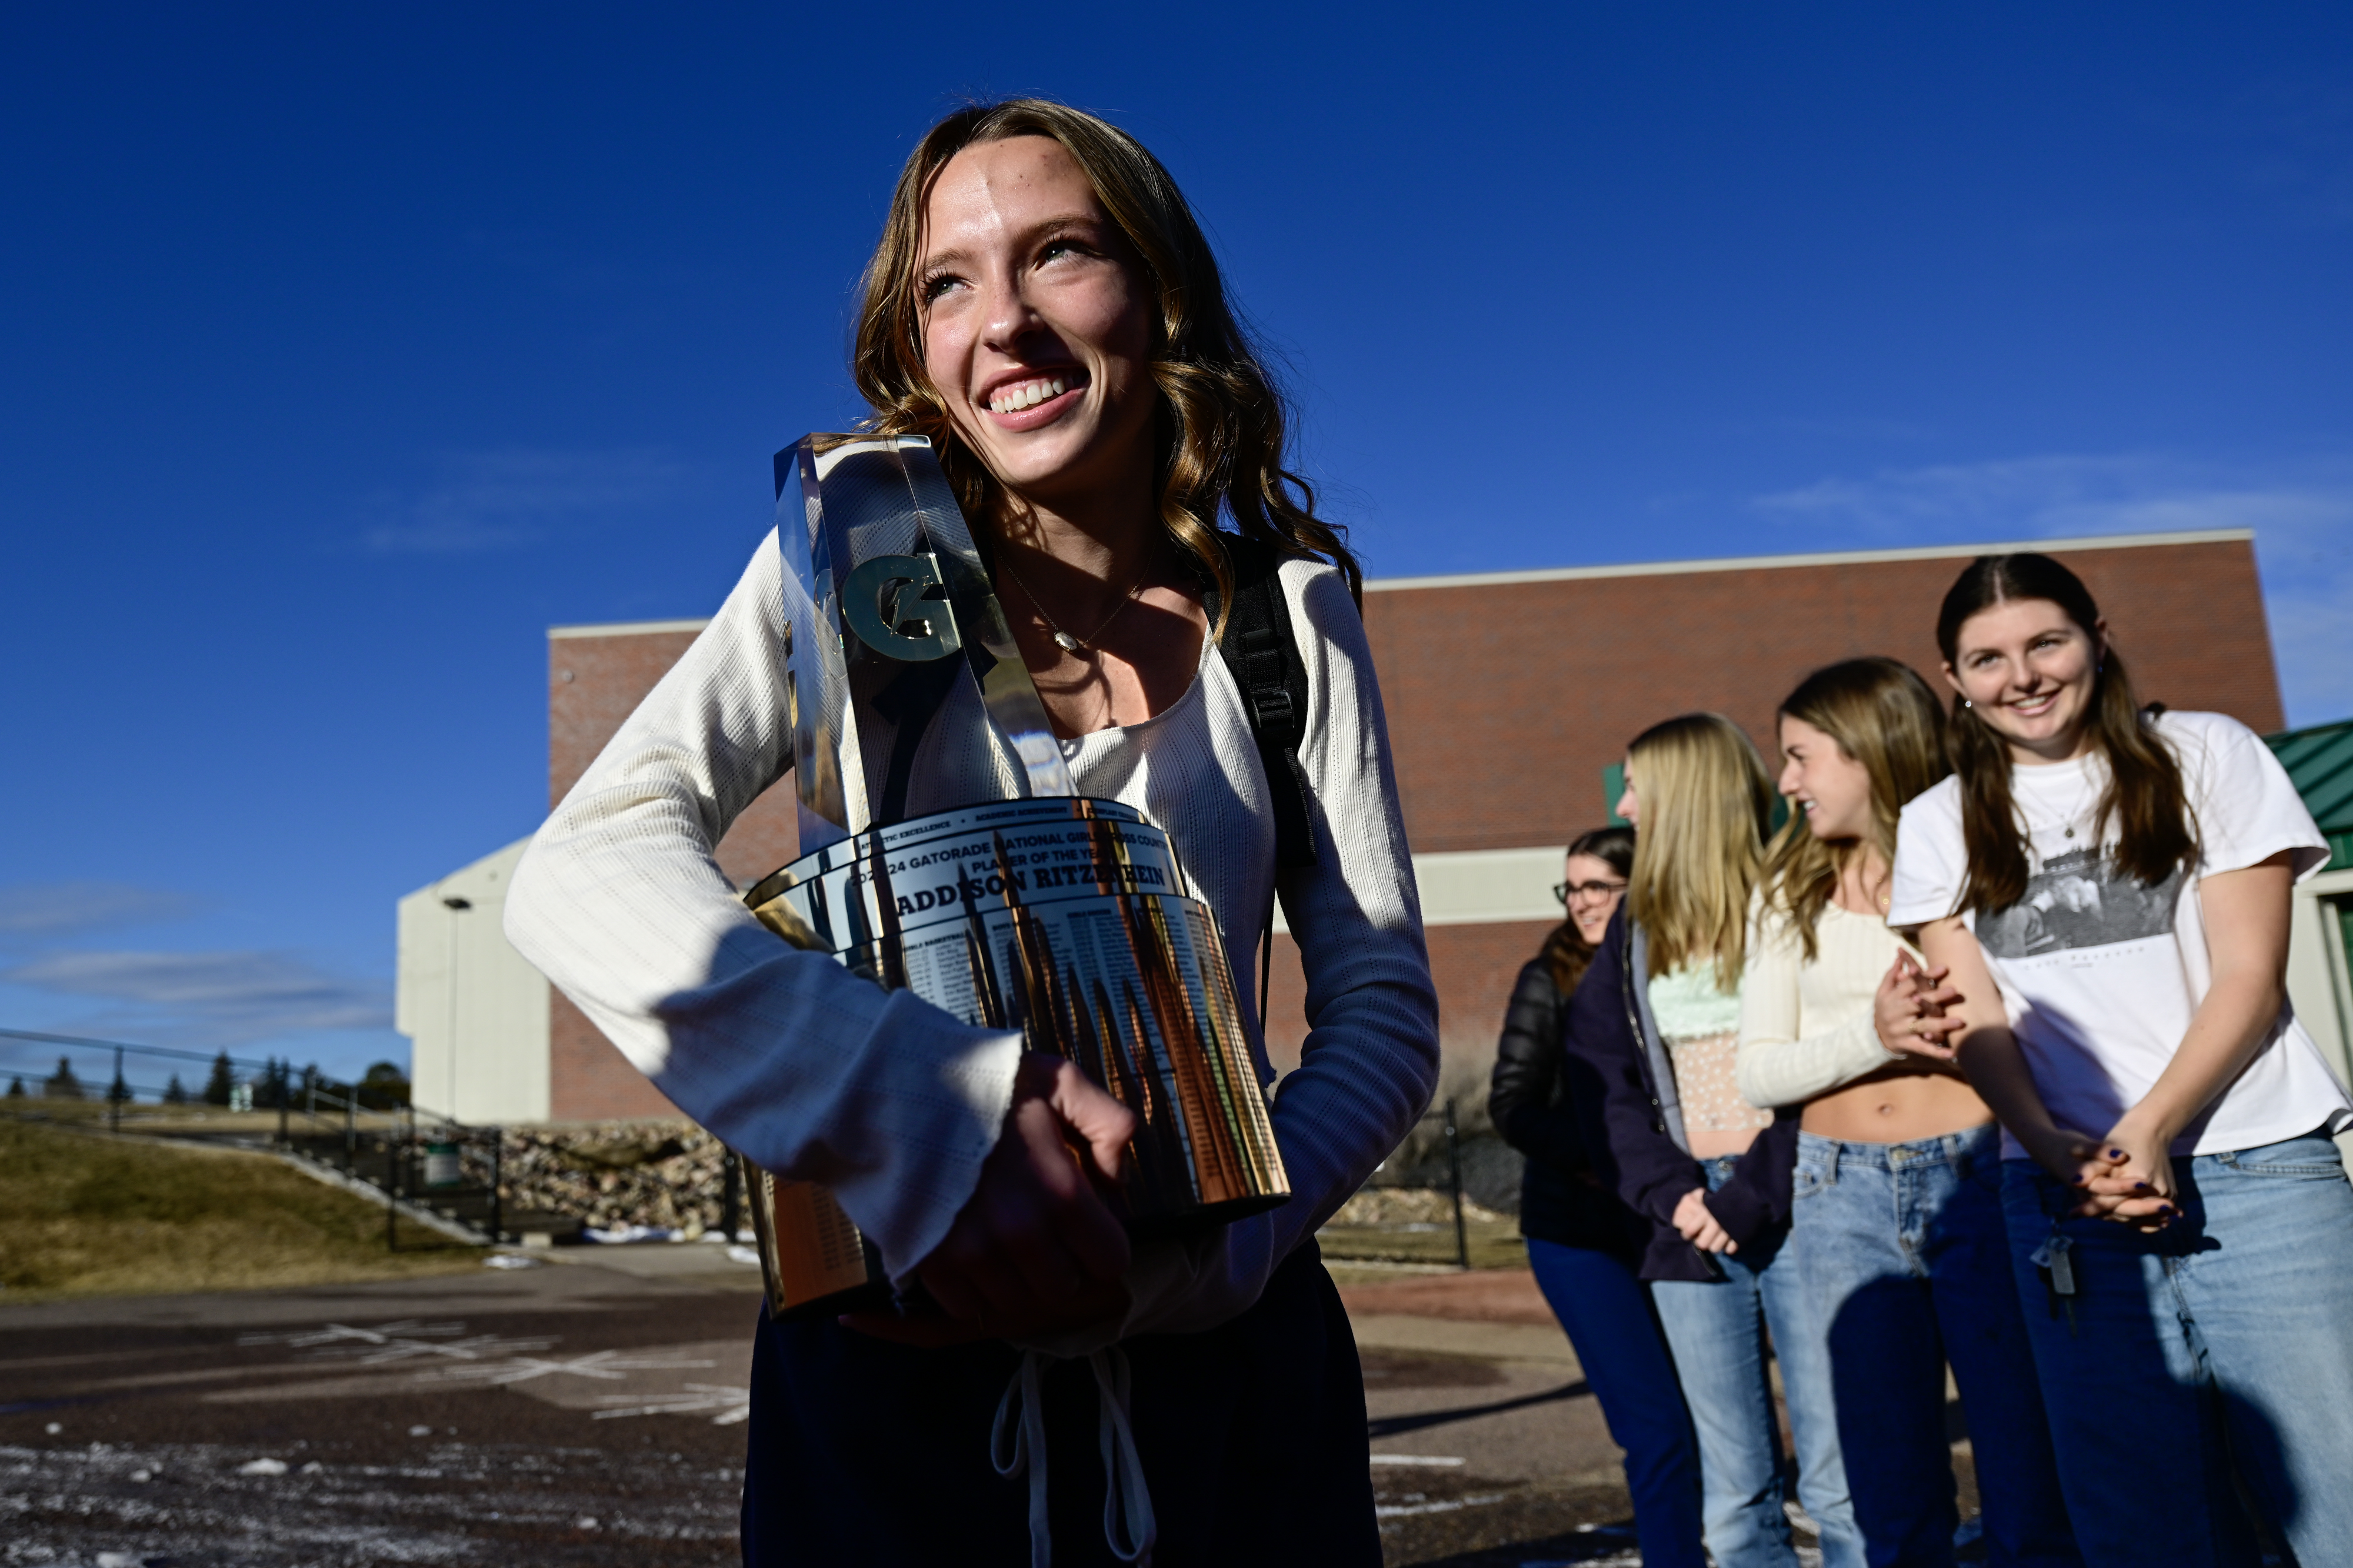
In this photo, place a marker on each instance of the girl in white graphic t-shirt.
(2105, 894)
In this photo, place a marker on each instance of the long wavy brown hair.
(1565, 952)
(1219, 431)
(1883, 715)
(2145, 795)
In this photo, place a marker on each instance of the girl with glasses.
(1584, 1243)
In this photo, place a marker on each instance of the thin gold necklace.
(1063, 639)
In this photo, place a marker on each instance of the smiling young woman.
(1896, 1223)
(2108, 889)
(1043, 307)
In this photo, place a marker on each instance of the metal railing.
(82, 1063)
(1427, 1163)
(423, 1164)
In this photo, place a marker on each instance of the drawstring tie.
(1017, 1442)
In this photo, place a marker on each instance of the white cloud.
(498, 500)
(208, 998)
(2301, 511)
(36, 911)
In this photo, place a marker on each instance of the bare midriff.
(1901, 1103)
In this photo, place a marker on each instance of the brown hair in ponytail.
(2145, 796)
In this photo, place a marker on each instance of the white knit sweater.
(1806, 1028)
(817, 1074)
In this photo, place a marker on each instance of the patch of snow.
(1403, 1510)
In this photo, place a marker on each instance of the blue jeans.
(1717, 1330)
(1608, 1316)
(2213, 1356)
(1903, 1254)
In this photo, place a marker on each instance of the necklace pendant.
(1068, 643)
(2071, 831)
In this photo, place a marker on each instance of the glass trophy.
(945, 851)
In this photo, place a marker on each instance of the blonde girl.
(1654, 1038)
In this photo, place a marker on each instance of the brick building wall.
(1508, 694)
(596, 678)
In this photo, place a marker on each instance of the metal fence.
(1412, 1210)
(447, 1179)
(435, 1169)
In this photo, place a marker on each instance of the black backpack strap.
(1261, 653)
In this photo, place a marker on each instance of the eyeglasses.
(1565, 891)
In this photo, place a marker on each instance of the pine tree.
(16, 1087)
(174, 1094)
(62, 1084)
(224, 1079)
(118, 1092)
(384, 1087)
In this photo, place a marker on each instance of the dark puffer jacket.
(1561, 1198)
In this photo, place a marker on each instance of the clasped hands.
(2126, 1177)
(1036, 1249)
(1912, 1011)
(1909, 1013)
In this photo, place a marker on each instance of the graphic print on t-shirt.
(2079, 899)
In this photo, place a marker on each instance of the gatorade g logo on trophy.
(878, 603)
(945, 851)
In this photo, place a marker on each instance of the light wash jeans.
(1905, 1258)
(1717, 1330)
(2213, 1356)
(1607, 1317)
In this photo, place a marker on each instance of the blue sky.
(342, 350)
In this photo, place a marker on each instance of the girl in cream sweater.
(1896, 1219)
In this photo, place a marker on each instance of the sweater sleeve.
(812, 1071)
(1369, 1064)
(1777, 1065)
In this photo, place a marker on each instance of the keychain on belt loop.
(2058, 1270)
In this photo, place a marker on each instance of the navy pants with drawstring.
(1253, 1439)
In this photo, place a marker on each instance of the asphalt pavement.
(589, 1411)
